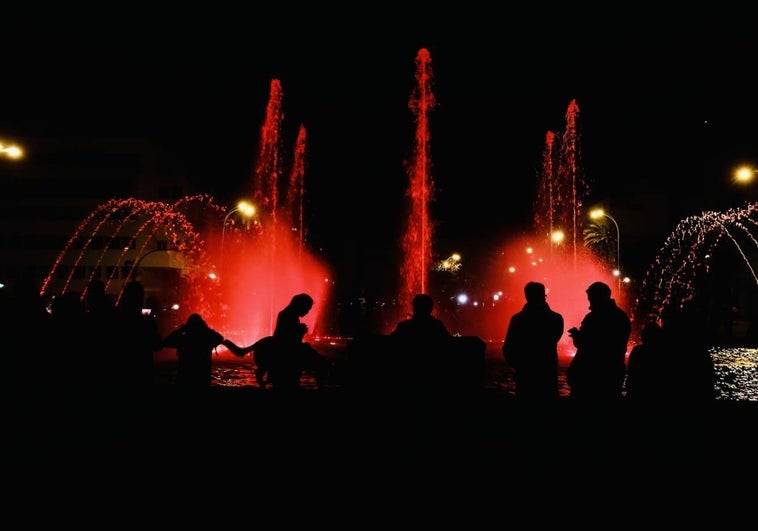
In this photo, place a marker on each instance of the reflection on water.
(736, 372)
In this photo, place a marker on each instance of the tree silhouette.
(600, 238)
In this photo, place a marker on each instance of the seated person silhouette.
(281, 358)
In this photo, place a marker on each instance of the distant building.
(58, 183)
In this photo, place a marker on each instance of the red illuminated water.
(265, 261)
(417, 238)
(566, 267)
(236, 272)
(699, 246)
(119, 234)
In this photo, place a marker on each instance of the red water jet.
(265, 259)
(417, 238)
(564, 265)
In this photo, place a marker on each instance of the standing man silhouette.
(598, 369)
(531, 345)
(195, 343)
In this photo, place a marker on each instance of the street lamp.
(247, 209)
(555, 238)
(598, 213)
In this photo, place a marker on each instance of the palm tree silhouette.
(600, 238)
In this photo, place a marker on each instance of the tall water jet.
(265, 260)
(562, 186)
(417, 237)
(296, 190)
(236, 271)
(552, 253)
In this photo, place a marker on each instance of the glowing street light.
(11, 151)
(556, 238)
(599, 213)
(245, 208)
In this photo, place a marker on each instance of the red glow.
(564, 264)
(266, 265)
(236, 275)
(417, 239)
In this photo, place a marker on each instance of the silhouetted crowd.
(672, 362)
(96, 345)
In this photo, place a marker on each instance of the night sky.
(662, 109)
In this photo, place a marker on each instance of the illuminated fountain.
(552, 252)
(267, 262)
(566, 267)
(417, 237)
(695, 259)
(237, 276)
(112, 242)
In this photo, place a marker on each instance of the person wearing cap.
(598, 368)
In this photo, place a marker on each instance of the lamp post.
(247, 209)
(597, 213)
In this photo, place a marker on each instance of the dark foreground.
(328, 427)
(346, 457)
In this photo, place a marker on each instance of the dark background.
(666, 108)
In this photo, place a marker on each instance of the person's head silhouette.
(422, 304)
(132, 297)
(598, 293)
(534, 292)
(301, 304)
(195, 322)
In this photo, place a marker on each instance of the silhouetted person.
(282, 357)
(25, 309)
(137, 339)
(423, 342)
(195, 343)
(531, 345)
(598, 368)
(66, 360)
(101, 326)
(647, 374)
(422, 325)
(690, 368)
(421, 359)
(96, 300)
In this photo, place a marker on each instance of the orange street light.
(245, 208)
